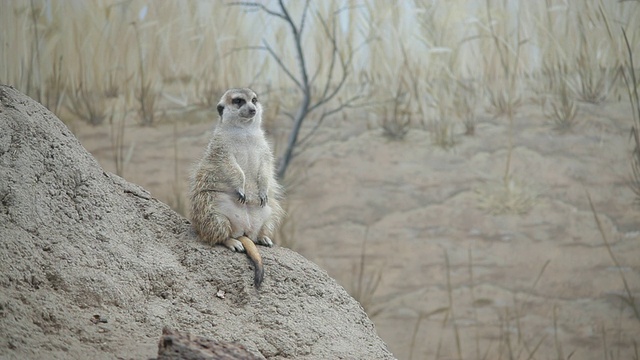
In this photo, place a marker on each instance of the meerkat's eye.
(254, 100)
(238, 101)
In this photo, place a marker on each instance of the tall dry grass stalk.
(120, 153)
(451, 314)
(87, 105)
(510, 338)
(365, 282)
(395, 117)
(142, 51)
(286, 233)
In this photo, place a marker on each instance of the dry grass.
(464, 106)
(503, 103)
(286, 236)
(593, 80)
(442, 98)
(177, 202)
(120, 152)
(147, 53)
(563, 110)
(55, 87)
(512, 339)
(365, 282)
(509, 197)
(396, 116)
(442, 133)
(88, 105)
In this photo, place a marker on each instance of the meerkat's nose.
(252, 111)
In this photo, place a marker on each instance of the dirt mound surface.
(92, 266)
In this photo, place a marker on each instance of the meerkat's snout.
(250, 109)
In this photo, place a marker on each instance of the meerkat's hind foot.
(234, 245)
(264, 240)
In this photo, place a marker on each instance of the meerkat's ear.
(220, 109)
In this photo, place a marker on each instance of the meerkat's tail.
(256, 259)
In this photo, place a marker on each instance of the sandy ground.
(457, 278)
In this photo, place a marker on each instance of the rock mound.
(92, 266)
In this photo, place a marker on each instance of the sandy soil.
(458, 279)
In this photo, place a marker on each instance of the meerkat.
(234, 193)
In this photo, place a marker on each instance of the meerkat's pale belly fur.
(250, 218)
(245, 219)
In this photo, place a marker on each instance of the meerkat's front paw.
(264, 241)
(234, 245)
(263, 199)
(241, 197)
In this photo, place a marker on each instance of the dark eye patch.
(238, 101)
(254, 100)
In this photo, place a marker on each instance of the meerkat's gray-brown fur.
(233, 190)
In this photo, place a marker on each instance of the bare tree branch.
(298, 44)
(348, 104)
(282, 66)
(304, 16)
(338, 70)
(345, 65)
(258, 6)
(335, 53)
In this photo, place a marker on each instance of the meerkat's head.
(239, 105)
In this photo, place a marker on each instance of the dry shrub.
(396, 117)
(87, 105)
(509, 197)
(563, 110)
